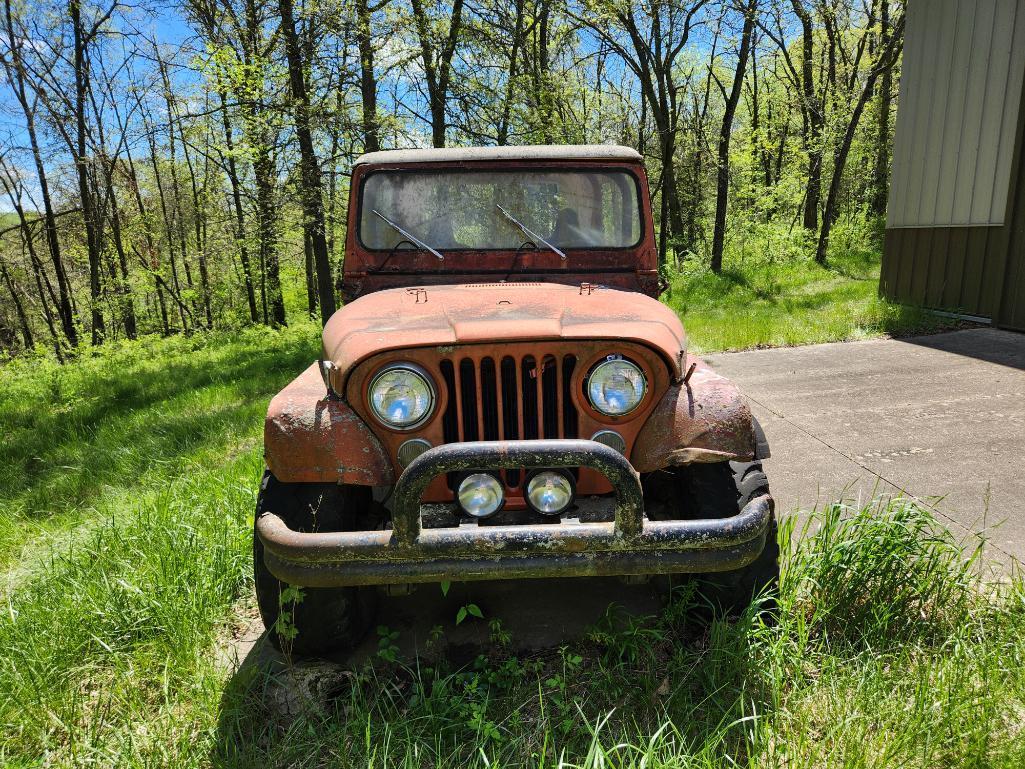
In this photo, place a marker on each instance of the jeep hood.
(499, 312)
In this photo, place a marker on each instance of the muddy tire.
(731, 592)
(720, 490)
(325, 620)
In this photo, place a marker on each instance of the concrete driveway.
(941, 418)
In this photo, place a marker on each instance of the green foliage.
(469, 610)
(772, 293)
(120, 421)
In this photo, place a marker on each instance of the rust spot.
(311, 438)
(703, 419)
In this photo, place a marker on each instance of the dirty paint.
(702, 420)
(498, 313)
(597, 302)
(587, 354)
(309, 437)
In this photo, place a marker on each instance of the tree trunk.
(176, 288)
(881, 173)
(726, 129)
(267, 226)
(510, 81)
(311, 188)
(152, 259)
(124, 288)
(16, 74)
(437, 64)
(19, 308)
(82, 169)
(813, 118)
(236, 199)
(886, 58)
(198, 212)
(368, 77)
(311, 277)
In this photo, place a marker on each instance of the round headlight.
(480, 495)
(402, 396)
(549, 492)
(616, 386)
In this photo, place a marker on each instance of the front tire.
(321, 620)
(721, 490)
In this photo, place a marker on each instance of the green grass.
(114, 425)
(127, 483)
(771, 294)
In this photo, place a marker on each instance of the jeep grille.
(492, 399)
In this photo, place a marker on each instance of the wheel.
(324, 620)
(719, 490)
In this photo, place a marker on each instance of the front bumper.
(629, 545)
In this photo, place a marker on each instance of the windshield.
(489, 209)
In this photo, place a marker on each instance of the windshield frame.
(507, 167)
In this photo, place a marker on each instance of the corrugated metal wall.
(955, 125)
(954, 236)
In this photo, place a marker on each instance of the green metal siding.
(955, 236)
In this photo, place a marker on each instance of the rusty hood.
(499, 312)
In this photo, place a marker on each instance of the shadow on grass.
(74, 435)
(629, 678)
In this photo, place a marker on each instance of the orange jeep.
(503, 397)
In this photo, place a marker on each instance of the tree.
(887, 56)
(310, 188)
(650, 39)
(732, 98)
(881, 172)
(436, 51)
(14, 67)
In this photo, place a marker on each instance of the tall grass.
(772, 293)
(117, 422)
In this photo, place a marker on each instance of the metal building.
(955, 225)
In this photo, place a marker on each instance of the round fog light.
(610, 438)
(411, 449)
(480, 495)
(549, 492)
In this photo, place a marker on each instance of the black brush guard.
(629, 545)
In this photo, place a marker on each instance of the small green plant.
(288, 599)
(468, 610)
(387, 644)
(497, 633)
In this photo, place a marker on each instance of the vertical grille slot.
(570, 427)
(489, 400)
(510, 400)
(450, 420)
(510, 412)
(468, 396)
(528, 400)
(550, 397)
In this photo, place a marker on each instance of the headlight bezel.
(416, 370)
(603, 361)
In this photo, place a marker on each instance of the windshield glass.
(489, 209)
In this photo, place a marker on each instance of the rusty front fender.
(702, 420)
(311, 438)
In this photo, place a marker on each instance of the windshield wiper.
(409, 236)
(530, 233)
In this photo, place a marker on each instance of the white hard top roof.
(533, 152)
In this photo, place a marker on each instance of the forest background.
(173, 167)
